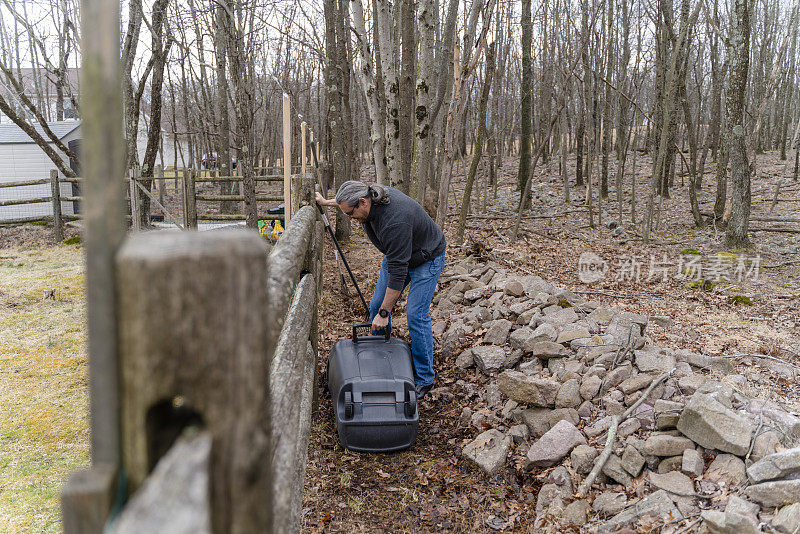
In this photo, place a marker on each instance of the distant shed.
(22, 159)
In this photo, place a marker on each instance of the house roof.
(38, 81)
(12, 134)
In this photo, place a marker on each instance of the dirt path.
(430, 487)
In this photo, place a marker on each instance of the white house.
(22, 159)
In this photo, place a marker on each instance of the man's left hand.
(379, 322)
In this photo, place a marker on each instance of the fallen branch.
(612, 435)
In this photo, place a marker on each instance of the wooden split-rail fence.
(217, 357)
(202, 348)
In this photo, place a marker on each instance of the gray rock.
(740, 506)
(570, 334)
(764, 444)
(586, 409)
(575, 513)
(512, 358)
(528, 390)
(615, 470)
(717, 522)
(616, 377)
(546, 349)
(590, 387)
(635, 383)
(671, 463)
(703, 361)
(719, 391)
(520, 307)
(603, 315)
(465, 360)
(514, 288)
(519, 433)
(478, 419)
(657, 505)
(582, 458)
(598, 427)
(667, 413)
(787, 520)
(727, 468)
(609, 503)
(491, 394)
(555, 444)
(522, 338)
(788, 422)
(569, 395)
(550, 500)
(540, 420)
(692, 463)
(777, 465)
(632, 461)
(689, 384)
(666, 445)
(667, 406)
(673, 482)
(561, 316)
(712, 425)
(628, 427)
(654, 360)
(497, 334)
(775, 493)
(556, 366)
(488, 357)
(489, 451)
(532, 367)
(527, 316)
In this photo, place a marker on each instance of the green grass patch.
(742, 299)
(74, 240)
(690, 252)
(44, 424)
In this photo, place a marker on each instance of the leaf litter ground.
(430, 487)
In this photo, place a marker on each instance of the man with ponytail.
(413, 248)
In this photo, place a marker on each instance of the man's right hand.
(322, 201)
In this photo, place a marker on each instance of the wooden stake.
(58, 224)
(136, 223)
(287, 160)
(303, 147)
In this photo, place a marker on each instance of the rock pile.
(560, 371)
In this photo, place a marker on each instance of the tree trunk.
(476, 157)
(738, 51)
(367, 80)
(406, 99)
(525, 113)
(224, 141)
(423, 111)
(160, 51)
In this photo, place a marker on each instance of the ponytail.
(378, 194)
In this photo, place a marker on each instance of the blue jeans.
(422, 280)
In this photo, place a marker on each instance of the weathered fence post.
(287, 159)
(191, 199)
(136, 221)
(195, 349)
(58, 224)
(161, 183)
(88, 494)
(302, 191)
(303, 147)
(184, 197)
